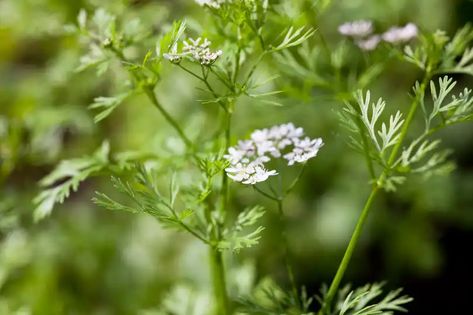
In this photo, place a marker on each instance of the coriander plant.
(253, 51)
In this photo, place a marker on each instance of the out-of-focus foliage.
(86, 260)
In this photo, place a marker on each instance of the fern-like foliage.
(294, 37)
(145, 197)
(437, 52)
(237, 237)
(106, 105)
(183, 300)
(370, 134)
(269, 299)
(423, 154)
(369, 300)
(66, 178)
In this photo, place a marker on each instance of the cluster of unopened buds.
(197, 49)
(248, 158)
(362, 32)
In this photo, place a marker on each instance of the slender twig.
(152, 97)
(296, 180)
(285, 244)
(191, 73)
(221, 79)
(265, 193)
(369, 161)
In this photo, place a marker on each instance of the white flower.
(251, 173)
(359, 28)
(370, 43)
(173, 56)
(304, 150)
(196, 49)
(400, 34)
(234, 156)
(208, 57)
(211, 3)
(247, 159)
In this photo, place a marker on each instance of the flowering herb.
(188, 188)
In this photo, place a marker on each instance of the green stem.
(349, 251)
(218, 281)
(285, 243)
(152, 97)
(409, 118)
(295, 181)
(369, 162)
(227, 127)
(265, 193)
(217, 267)
(359, 225)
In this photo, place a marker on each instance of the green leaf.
(238, 237)
(368, 300)
(294, 37)
(107, 105)
(69, 174)
(170, 39)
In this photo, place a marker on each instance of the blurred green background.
(87, 260)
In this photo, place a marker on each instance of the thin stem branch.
(191, 73)
(191, 231)
(369, 162)
(265, 193)
(221, 79)
(409, 118)
(285, 242)
(152, 97)
(296, 180)
(349, 251)
(150, 93)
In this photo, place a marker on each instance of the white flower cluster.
(400, 34)
(248, 158)
(359, 28)
(197, 49)
(210, 3)
(362, 30)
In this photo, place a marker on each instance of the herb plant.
(253, 51)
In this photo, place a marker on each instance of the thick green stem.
(218, 281)
(364, 214)
(217, 267)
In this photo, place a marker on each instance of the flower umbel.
(197, 50)
(248, 158)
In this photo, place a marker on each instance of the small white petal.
(400, 34)
(359, 28)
